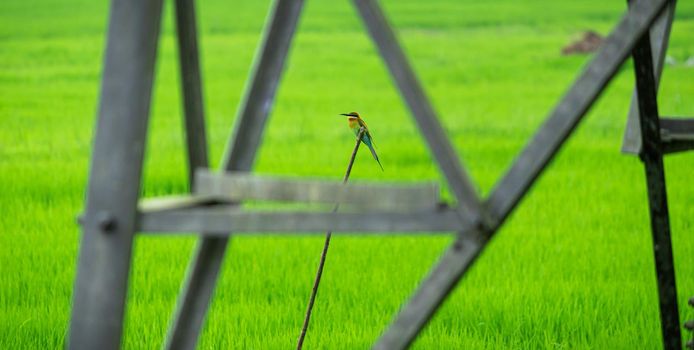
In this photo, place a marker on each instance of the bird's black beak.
(346, 115)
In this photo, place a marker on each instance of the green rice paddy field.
(572, 269)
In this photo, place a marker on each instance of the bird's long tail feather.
(373, 153)
(366, 139)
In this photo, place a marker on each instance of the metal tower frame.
(113, 216)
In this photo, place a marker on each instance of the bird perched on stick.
(355, 123)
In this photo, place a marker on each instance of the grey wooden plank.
(219, 221)
(191, 86)
(241, 150)
(413, 94)
(115, 173)
(652, 157)
(240, 186)
(573, 106)
(431, 293)
(176, 202)
(660, 36)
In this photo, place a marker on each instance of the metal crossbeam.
(676, 128)
(112, 215)
(219, 221)
(241, 186)
(676, 134)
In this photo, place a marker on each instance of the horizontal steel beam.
(219, 221)
(241, 186)
(676, 129)
(675, 146)
(677, 134)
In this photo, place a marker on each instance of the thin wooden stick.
(326, 245)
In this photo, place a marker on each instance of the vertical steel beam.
(413, 94)
(652, 157)
(191, 86)
(240, 155)
(660, 36)
(115, 175)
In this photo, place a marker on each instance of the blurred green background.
(573, 268)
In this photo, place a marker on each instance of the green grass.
(573, 268)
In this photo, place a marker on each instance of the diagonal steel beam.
(573, 106)
(585, 90)
(652, 156)
(115, 175)
(268, 66)
(659, 37)
(432, 292)
(422, 111)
